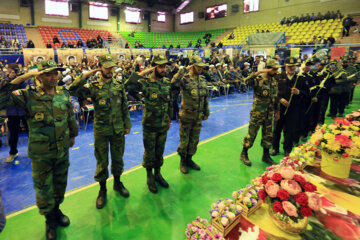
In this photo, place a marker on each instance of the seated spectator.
(79, 43)
(347, 23)
(178, 46)
(231, 36)
(283, 21)
(339, 15)
(30, 44)
(330, 40)
(313, 17)
(164, 47)
(212, 44)
(327, 15)
(302, 18)
(333, 15)
(56, 40)
(127, 45)
(171, 46)
(319, 16)
(48, 45)
(63, 45)
(199, 41)
(220, 45)
(207, 41)
(307, 17)
(246, 71)
(189, 44)
(198, 45)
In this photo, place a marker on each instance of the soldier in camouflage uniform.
(194, 109)
(156, 117)
(52, 131)
(265, 106)
(111, 123)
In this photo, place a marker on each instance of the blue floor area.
(16, 181)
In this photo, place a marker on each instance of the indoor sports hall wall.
(269, 11)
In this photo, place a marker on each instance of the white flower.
(224, 221)
(214, 214)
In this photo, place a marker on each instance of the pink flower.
(289, 208)
(291, 186)
(356, 123)
(271, 188)
(343, 140)
(355, 114)
(314, 201)
(287, 172)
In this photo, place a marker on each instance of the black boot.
(274, 152)
(190, 163)
(151, 181)
(50, 226)
(119, 187)
(266, 157)
(61, 219)
(244, 157)
(160, 179)
(183, 167)
(101, 199)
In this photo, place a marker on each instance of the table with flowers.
(314, 193)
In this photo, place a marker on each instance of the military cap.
(159, 60)
(107, 61)
(291, 61)
(272, 63)
(48, 66)
(197, 61)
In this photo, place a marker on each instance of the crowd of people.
(312, 17)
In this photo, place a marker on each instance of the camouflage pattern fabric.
(51, 125)
(112, 117)
(194, 107)
(262, 110)
(156, 115)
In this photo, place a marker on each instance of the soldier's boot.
(151, 181)
(101, 199)
(50, 226)
(183, 167)
(191, 164)
(159, 178)
(61, 219)
(266, 157)
(274, 152)
(120, 188)
(244, 157)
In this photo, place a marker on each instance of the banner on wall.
(270, 52)
(337, 52)
(93, 54)
(70, 56)
(120, 54)
(307, 51)
(355, 51)
(159, 52)
(295, 52)
(229, 51)
(137, 52)
(36, 55)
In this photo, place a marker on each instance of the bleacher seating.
(70, 35)
(10, 31)
(295, 33)
(158, 39)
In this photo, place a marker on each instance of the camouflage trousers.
(117, 146)
(256, 121)
(189, 137)
(154, 145)
(50, 180)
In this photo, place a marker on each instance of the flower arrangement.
(354, 118)
(201, 229)
(290, 196)
(248, 199)
(227, 209)
(304, 154)
(340, 138)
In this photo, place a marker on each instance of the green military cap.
(291, 61)
(272, 63)
(48, 66)
(333, 62)
(159, 60)
(197, 61)
(106, 61)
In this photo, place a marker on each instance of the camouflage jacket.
(110, 103)
(194, 92)
(265, 93)
(157, 98)
(50, 117)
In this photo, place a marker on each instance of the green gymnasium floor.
(154, 216)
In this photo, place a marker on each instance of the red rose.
(306, 211)
(301, 199)
(299, 179)
(296, 161)
(345, 155)
(308, 187)
(262, 194)
(283, 195)
(276, 177)
(277, 207)
(265, 179)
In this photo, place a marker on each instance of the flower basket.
(247, 211)
(334, 165)
(286, 224)
(216, 222)
(201, 229)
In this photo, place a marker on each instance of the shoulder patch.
(17, 92)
